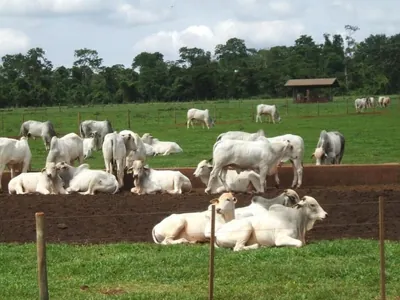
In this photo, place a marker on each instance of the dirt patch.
(353, 213)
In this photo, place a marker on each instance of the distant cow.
(383, 101)
(198, 115)
(161, 147)
(35, 129)
(270, 110)
(361, 104)
(14, 153)
(330, 148)
(101, 127)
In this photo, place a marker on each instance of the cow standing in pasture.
(67, 148)
(87, 127)
(201, 116)
(35, 129)
(271, 111)
(330, 148)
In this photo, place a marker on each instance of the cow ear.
(234, 200)
(129, 171)
(44, 169)
(312, 155)
(214, 201)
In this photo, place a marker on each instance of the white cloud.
(12, 41)
(132, 15)
(256, 34)
(263, 9)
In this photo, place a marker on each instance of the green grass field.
(334, 270)
(370, 137)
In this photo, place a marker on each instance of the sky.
(121, 29)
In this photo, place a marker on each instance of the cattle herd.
(240, 162)
(369, 102)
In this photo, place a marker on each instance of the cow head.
(292, 198)
(129, 142)
(225, 205)
(138, 169)
(147, 138)
(312, 209)
(203, 168)
(319, 155)
(50, 170)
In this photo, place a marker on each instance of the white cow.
(35, 129)
(202, 116)
(361, 104)
(279, 226)
(90, 144)
(260, 204)
(150, 181)
(161, 147)
(236, 182)
(14, 154)
(240, 135)
(270, 110)
(45, 182)
(383, 101)
(87, 181)
(101, 127)
(330, 148)
(67, 148)
(295, 156)
(194, 226)
(370, 102)
(114, 153)
(260, 155)
(139, 153)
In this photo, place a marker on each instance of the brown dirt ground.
(353, 213)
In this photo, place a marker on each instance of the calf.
(150, 181)
(195, 226)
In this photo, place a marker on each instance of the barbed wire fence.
(41, 228)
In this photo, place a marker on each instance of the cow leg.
(12, 171)
(242, 247)
(242, 237)
(167, 152)
(213, 174)
(188, 123)
(297, 173)
(263, 178)
(1, 174)
(255, 181)
(285, 240)
(19, 190)
(222, 177)
(42, 190)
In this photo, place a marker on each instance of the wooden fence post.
(23, 117)
(211, 260)
(41, 256)
(287, 106)
(129, 118)
(318, 108)
(382, 246)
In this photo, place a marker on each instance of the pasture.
(329, 267)
(334, 270)
(369, 135)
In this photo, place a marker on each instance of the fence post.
(23, 117)
(41, 256)
(129, 118)
(175, 113)
(2, 122)
(79, 119)
(158, 116)
(347, 105)
(382, 246)
(287, 106)
(211, 260)
(318, 107)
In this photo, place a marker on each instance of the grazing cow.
(370, 102)
(161, 147)
(295, 157)
(194, 226)
(35, 129)
(260, 155)
(45, 182)
(270, 110)
(236, 182)
(114, 153)
(87, 181)
(150, 181)
(202, 116)
(240, 135)
(67, 148)
(101, 127)
(90, 144)
(137, 154)
(383, 101)
(259, 204)
(14, 153)
(279, 226)
(330, 148)
(361, 104)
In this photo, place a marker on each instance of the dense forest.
(365, 67)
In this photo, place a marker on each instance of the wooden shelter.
(310, 90)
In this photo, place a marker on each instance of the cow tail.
(153, 234)
(81, 130)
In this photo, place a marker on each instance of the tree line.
(368, 67)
